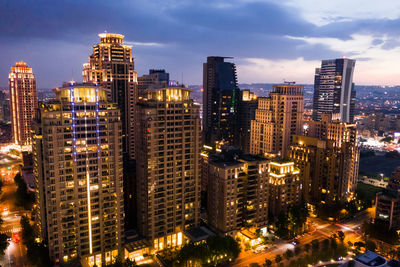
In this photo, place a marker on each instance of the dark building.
(334, 89)
(248, 104)
(155, 77)
(220, 101)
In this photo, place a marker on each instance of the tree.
(325, 243)
(370, 245)
(334, 245)
(288, 254)
(278, 258)
(297, 250)
(38, 253)
(268, 262)
(23, 198)
(341, 235)
(315, 244)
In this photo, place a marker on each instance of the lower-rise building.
(237, 192)
(329, 173)
(285, 188)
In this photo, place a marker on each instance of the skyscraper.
(112, 66)
(334, 89)
(278, 117)
(23, 102)
(78, 175)
(168, 171)
(220, 101)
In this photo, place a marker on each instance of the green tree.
(37, 253)
(278, 258)
(341, 235)
(370, 245)
(307, 247)
(297, 250)
(288, 254)
(23, 197)
(315, 244)
(268, 262)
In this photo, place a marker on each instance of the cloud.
(179, 35)
(143, 43)
(259, 70)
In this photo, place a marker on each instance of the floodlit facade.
(112, 66)
(168, 166)
(23, 102)
(220, 102)
(237, 193)
(334, 89)
(285, 187)
(329, 168)
(77, 150)
(277, 118)
(248, 104)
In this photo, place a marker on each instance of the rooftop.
(370, 258)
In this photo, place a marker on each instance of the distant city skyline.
(269, 40)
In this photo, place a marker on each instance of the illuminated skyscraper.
(278, 117)
(168, 171)
(78, 175)
(112, 66)
(334, 89)
(23, 102)
(155, 77)
(220, 101)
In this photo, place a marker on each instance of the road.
(320, 230)
(15, 255)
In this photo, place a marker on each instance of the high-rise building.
(285, 188)
(237, 192)
(328, 160)
(23, 102)
(277, 118)
(155, 77)
(220, 101)
(248, 104)
(77, 151)
(168, 171)
(334, 89)
(112, 66)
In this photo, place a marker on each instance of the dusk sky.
(269, 40)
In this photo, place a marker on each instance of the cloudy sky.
(270, 40)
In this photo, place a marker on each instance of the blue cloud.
(56, 36)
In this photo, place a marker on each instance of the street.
(15, 254)
(320, 230)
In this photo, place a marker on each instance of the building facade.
(155, 77)
(334, 89)
(220, 102)
(23, 102)
(112, 66)
(77, 150)
(168, 166)
(237, 194)
(248, 104)
(285, 186)
(277, 118)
